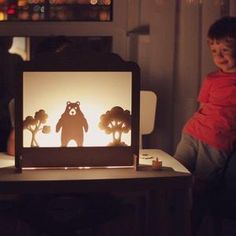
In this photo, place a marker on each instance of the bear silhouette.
(72, 124)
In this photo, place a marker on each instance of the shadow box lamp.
(77, 117)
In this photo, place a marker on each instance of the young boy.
(209, 137)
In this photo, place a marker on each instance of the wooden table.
(165, 193)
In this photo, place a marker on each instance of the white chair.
(148, 104)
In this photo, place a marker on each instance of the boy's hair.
(223, 28)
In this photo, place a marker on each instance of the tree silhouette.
(116, 122)
(34, 125)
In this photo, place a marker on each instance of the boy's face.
(224, 54)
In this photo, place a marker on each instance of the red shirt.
(215, 121)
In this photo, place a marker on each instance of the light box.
(77, 118)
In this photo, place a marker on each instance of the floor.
(208, 228)
(229, 228)
(11, 225)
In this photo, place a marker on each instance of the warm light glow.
(56, 10)
(97, 93)
(22, 3)
(1, 16)
(24, 15)
(107, 2)
(93, 2)
(35, 16)
(104, 16)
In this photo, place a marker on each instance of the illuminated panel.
(69, 109)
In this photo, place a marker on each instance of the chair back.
(148, 104)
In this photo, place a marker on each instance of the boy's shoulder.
(220, 74)
(213, 74)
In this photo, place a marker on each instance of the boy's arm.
(203, 96)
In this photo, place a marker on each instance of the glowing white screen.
(97, 93)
